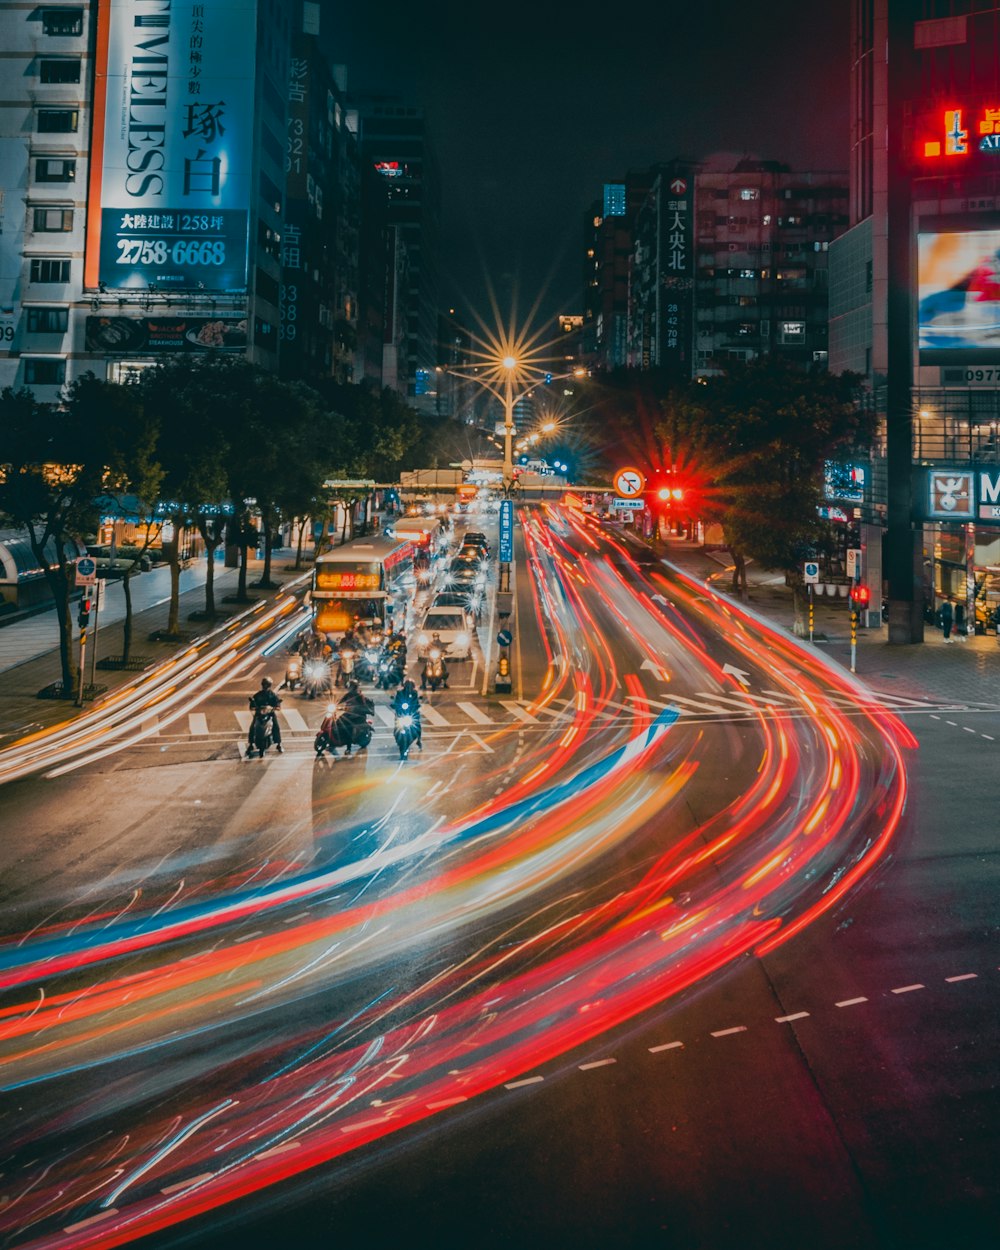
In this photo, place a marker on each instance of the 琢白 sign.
(172, 155)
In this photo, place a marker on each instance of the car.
(451, 624)
(475, 537)
(472, 552)
(468, 597)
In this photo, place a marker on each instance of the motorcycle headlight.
(331, 709)
(462, 640)
(347, 655)
(405, 722)
(434, 654)
(315, 668)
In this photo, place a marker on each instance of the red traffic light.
(860, 596)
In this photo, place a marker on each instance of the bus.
(368, 579)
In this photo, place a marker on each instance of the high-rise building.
(915, 299)
(142, 167)
(395, 139)
(730, 265)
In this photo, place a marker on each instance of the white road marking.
(515, 709)
(528, 1080)
(194, 1180)
(850, 1002)
(933, 717)
(655, 1050)
(385, 715)
(797, 1015)
(952, 723)
(739, 1028)
(475, 714)
(433, 717)
(966, 976)
(294, 720)
(988, 737)
(906, 989)
(197, 723)
(598, 1063)
(244, 719)
(968, 730)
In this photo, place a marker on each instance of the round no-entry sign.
(505, 638)
(629, 483)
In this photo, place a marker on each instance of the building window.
(44, 269)
(62, 21)
(749, 193)
(48, 320)
(53, 220)
(868, 275)
(55, 169)
(748, 273)
(42, 372)
(58, 121)
(793, 331)
(59, 69)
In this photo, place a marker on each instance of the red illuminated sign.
(959, 131)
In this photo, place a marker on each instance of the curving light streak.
(586, 893)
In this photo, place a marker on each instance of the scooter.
(315, 678)
(262, 731)
(390, 670)
(337, 731)
(404, 730)
(367, 663)
(435, 674)
(293, 671)
(345, 666)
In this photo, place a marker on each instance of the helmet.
(266, 683)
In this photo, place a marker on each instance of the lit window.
(62, 22)
(53, 220)
(55, 169)
(749, 193)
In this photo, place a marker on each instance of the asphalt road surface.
(686, 942)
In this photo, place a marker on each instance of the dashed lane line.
(527, 1080)
(655, 1050)
(966, 976)
(908, 989)
(597, 1063)
(850, 1002)
(738, 1028)
(796, 1015)
(192, 1180)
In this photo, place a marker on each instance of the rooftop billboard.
(958, 277)
(170, 179)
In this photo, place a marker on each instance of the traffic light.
(83, 615)
(860, 597)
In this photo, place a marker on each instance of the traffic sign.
(810, 572)
(629, 483)
(505, 638)
(86, 571)
(854, 563)
(628, 505)
(678, 186)
(506, 531)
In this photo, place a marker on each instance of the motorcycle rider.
(407, 703)
(442, 648)
(354, 709)
(265, 699)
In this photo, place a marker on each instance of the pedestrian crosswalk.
(464, 716)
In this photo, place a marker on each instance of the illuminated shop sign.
(171, 168)
(955, 132)
(961, 494)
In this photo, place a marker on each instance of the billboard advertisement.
(965, 494)
(170, 183)
(165, 334)
(958, 277)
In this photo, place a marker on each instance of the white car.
(451, 624)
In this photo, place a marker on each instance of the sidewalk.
(967, 672)
(29, 648)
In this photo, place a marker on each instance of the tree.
(56, 462)
(759, 435)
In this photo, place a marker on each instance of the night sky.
(534, 106)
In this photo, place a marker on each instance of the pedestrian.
(960, 630)
(947, 619)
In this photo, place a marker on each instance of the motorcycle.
(390, 670)
(435, 674)
(293, 671)
(262, 731)
(315, 678)
(345, 666)
(338, 730)
(404, 730)
(367, 663)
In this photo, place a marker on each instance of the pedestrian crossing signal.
(83, 616)
(860, 596)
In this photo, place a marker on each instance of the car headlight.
(462, 640)
(422, 640)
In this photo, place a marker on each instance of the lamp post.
(509, 366)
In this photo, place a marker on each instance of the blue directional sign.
(506, 531)
(505, 638)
